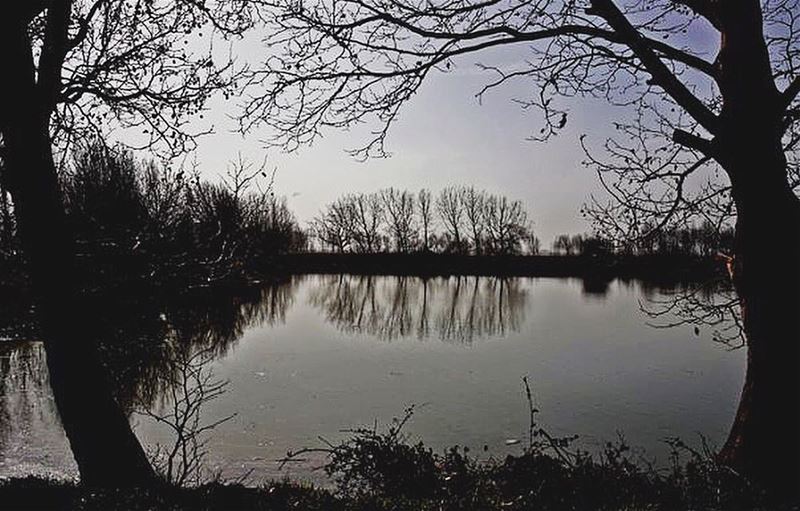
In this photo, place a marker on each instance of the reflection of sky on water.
(310, 356)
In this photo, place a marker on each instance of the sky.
(443, 136)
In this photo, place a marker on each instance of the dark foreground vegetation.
(385, 470)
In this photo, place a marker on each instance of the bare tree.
(699, 137)
(75, 68)
(335, 227)
(473, 203)
(399, 206)
(163, 191)
(451, 213)
(426, 217)
(532, 241)
(506, 223)
(369, 218)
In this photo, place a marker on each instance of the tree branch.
(85, 24)
(521, 36)
(692, 141)
(791, 92)
(662, 75)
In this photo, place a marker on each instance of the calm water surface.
(319, 354)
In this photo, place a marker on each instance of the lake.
(311, 356)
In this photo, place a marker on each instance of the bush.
(383, 470)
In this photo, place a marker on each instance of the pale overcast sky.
(443, 136)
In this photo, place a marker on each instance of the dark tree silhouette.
(474, 204)
(729, 125)
(400, 221)
(506, 225)
(426, 218)
(449, 205)
(400, 206)
(74, 68)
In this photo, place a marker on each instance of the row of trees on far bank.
(116, 203)
(705, 239)
(459, 219)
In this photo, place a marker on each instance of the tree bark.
(105, 448)
(764, 441)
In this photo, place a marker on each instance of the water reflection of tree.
(145, 353)
(459, 309)
(24, 391)
(142, 342)
(711, 306)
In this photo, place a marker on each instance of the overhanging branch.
(791, 92)
(662, 75)
(692, 141)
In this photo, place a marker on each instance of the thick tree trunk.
(764, 442)
(104, 446)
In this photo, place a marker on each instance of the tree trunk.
(764, 442)
(105, 448)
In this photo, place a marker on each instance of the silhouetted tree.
(73, 68)
(335, 227)
(134, 218)
(102, 195)
(394, 220)
(399, 206)
(506, 223)
(426, 217)
(729, 125)
(369, 219)
(474, 204)
(451, 212)
(533, 244)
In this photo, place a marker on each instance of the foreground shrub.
(385, 470)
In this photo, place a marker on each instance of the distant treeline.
(704, 240)
(459, 220)
(464, 220)
(133, 217)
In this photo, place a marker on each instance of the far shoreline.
(655, 268)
